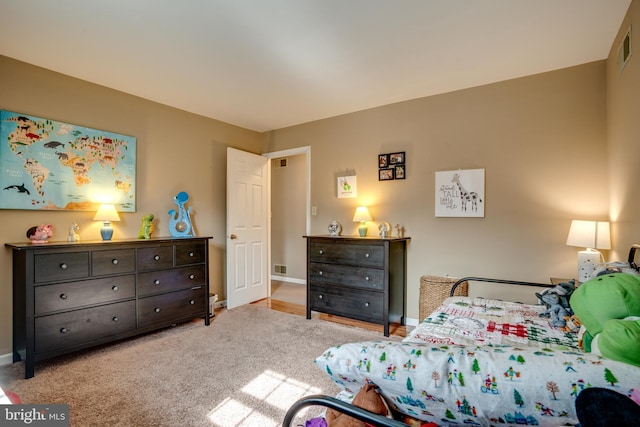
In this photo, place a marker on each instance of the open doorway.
(289, 222)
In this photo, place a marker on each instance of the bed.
(474, 361)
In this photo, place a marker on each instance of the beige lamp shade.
(589, 234)
(362, 214)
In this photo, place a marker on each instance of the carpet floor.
(245, 369)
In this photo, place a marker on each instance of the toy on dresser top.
(40, 234)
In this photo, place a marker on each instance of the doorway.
(290, 220)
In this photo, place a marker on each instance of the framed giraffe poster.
(460, 193)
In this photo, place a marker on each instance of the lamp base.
(362, 230)
(106, 232)
(587, 263)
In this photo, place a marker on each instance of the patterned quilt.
(472, 321)
(506, 367)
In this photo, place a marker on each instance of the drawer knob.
(192, 276)
(366, 255)
(64, 330)
(157, 257)
(63, 296)
(157, 309)
(115, 288)
(63, 266)
(319, 296)
(320, 273)
(367, 278)
(156, 282)
(321, 252)
(115, 318)
(192, 302)
(114, 261)
(366, 304)
(191, 254)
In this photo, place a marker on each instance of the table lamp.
(106, 213)
(591, 235)
(362, 215)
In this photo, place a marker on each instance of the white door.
(247, 227)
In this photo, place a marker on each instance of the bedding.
(479, 362)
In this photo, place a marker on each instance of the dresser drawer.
(78, 327)
(190, 253)
(352, 303)
(113, 262)
(61, 266)
(155, 282)
(66, 296)
(357, 277)
(352, 254)
(171, 307)
(154, 258)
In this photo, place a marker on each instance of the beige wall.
(623, 107)
(288, 217)
(540, 139)
(176, 151)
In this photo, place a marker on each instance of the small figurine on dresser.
(40, 234)
(73, 232)
(147, 227)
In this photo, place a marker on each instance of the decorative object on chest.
(72, 296)
(180, 222)
(362, 279)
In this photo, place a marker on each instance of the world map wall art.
(50, 165)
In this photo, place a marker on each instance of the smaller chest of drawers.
(71, 296)
(357, 278)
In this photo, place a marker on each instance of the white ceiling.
(268, 64)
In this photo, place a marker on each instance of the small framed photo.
(385, 174)
(399, 172)
(396, 158)
(383, 161)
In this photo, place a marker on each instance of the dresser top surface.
(105, 243)
(358, 238)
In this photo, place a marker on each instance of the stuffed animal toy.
(367, 398)
(608, 307)
(557, 301)
(40, 234)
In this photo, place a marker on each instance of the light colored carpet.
(245, 369)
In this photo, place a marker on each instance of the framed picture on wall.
(385, 174)
(399, 171)
(396, 158)
(51, 165)
(460, 193)
(383, 160)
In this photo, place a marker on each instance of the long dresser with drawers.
(72, 296)
(362, 278)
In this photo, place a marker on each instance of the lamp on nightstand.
(362, 215)
(591, 235)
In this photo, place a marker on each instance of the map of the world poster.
(50, 165)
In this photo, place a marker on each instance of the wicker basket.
(434, 290)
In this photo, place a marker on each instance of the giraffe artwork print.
(460, 193)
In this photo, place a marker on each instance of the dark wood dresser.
(71, 296)
(361, 278)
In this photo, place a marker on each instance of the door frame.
(274, 155)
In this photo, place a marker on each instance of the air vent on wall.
(279, 163)
(624, 51)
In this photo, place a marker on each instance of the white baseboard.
(6, 359)
(411, 322)
(288, 279)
